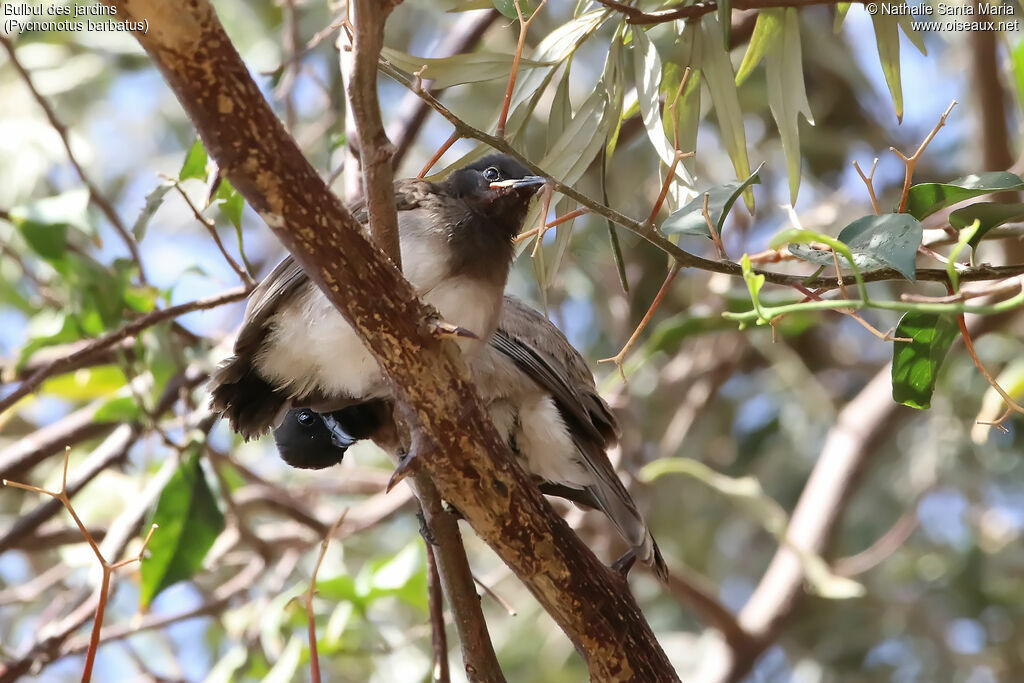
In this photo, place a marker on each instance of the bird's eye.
(491, 174)
(306, 418)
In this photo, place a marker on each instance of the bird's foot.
(625, 563)
(407, 462)
(440, 329)
(424, 529)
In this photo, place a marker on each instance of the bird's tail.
(249, 402)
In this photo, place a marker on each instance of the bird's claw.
(625, 563)
(440, 329)
(424, 529)
(406, 464)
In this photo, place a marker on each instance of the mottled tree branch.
(468, 461)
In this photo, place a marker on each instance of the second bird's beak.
(519, 183)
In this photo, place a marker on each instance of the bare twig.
(211, 227)
(911, 161)
(108, 567)
(524, 26)
(375, 150)
(869, 183)
(453, 567)
(314, 659)
(463, 37)
(621, 355)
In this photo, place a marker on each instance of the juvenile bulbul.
(295, 348)
(540, 395)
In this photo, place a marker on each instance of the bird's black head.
(305, 441)
(497, 186)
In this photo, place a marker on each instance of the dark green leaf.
(689, 220)
(508, 8)
(195, 162)
(915, 365)
(891, 239)
(927, 198)
(989, 215)
(189, 522)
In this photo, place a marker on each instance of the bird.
(541, 397)
(295, 349)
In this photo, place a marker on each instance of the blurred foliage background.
(943, 601)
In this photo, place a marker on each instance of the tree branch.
(635, 15)
(100, 344)
(375, 150)
(469, 462)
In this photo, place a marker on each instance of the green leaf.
(44, 223)
(766, 35)
(86, 384)
(647, 74)
(906, 21)
(891, 238)
(119, 409)
(887, 241)
(915, 364)
(1017, 59)
(467, 67)
(927, 198)
(195, 162)
(721, 82)
(508, 8)
(887, 38)
(189, 522)
(48, 328)
(989, 215)
(231, 203)
(153, 202)
(787, 96)
(689, 220)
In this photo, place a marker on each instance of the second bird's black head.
(498, 187)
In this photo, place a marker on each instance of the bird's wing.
(286, 278)
(538, 348)
(543, 353)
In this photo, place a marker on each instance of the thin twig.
(621, 355)
(637, 16)
(107, 567)
(314, 659)
(211, 227)
(57, 365)
(524, 26)
(869, 182)
(438, 634)
(685, 258)
(911, 162)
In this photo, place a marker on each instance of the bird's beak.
(519, 183)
